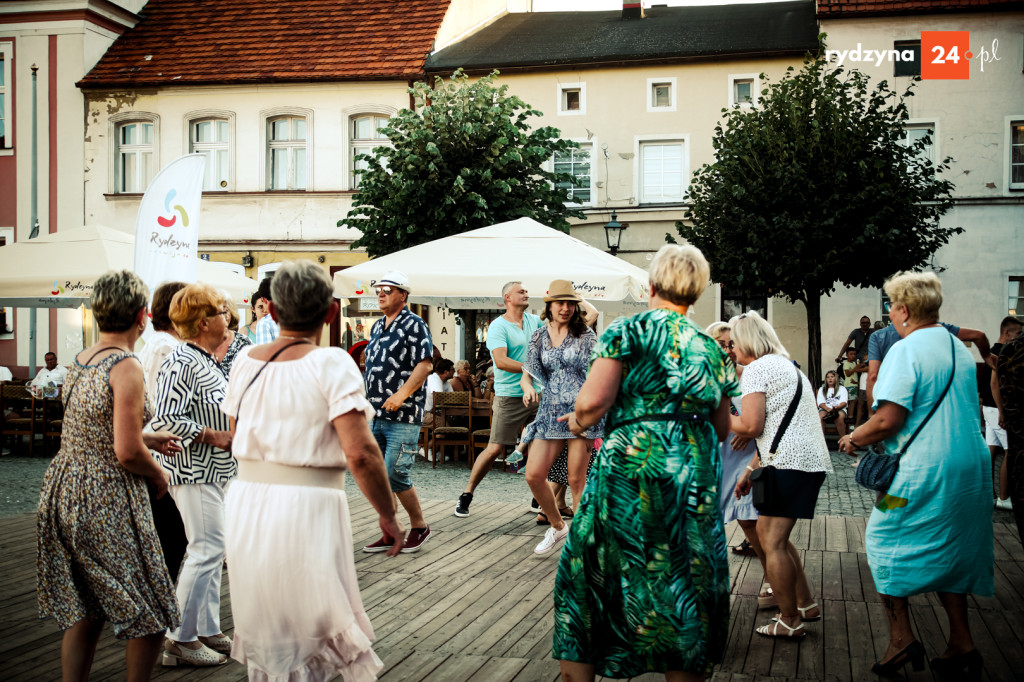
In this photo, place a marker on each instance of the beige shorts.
(508, 418)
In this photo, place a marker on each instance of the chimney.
(632, 10)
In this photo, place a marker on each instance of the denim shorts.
(397, 441)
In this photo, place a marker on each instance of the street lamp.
(613, 233)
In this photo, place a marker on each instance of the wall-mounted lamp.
(247, 260)
(321, 259)
(613, 233)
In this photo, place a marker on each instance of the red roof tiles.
(845, 8)
(231, 41)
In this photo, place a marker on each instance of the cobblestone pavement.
(21, 477)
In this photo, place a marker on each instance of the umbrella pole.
(31, 343)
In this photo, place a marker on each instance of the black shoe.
(954, 667)
(462, 508)
(913, 653)
(744, 549)
(535, 506)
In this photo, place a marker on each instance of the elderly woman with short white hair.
(778, 410)
(629, 596)
(464, 380)
(931, 531)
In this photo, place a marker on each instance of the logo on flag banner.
(167, 227)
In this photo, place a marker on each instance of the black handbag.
(876, 471)
(762, 480)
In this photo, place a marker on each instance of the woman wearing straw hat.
(558, 357)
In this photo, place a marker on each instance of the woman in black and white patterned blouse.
(190, 389)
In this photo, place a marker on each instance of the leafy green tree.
(465, 158)
(817, 186)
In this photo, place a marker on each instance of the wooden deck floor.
(475, 605)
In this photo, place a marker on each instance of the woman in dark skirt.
(797, 452)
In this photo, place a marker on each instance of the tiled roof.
(557, 39)
(845, 8)
(250, 41)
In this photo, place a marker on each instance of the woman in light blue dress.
(932, 530)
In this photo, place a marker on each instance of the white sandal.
(770, 630)
(766, 600)
(803, 613)
(174, 655)
(220, 643)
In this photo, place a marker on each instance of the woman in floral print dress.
(643, 580)
(99, 558)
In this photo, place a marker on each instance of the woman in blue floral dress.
(558, 357)
(643, 581)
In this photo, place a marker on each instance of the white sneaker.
(1004, 504)
(551, 538)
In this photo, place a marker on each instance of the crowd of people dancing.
(213, 446)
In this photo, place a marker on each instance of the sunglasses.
(727, 346)
(387, 291)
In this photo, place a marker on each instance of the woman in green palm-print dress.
(643, 580)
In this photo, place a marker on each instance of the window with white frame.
(743, 89)
(576, 162)
(211, 137)
(913, 132)
(6, 92)
(364, 136)
(286, 152)
(135, 162)
(572, 98)
(663, 173)
(661, 94)
(1016, 155)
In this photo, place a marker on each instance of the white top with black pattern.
(803, 445)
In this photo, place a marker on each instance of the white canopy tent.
(58, 270)
(468, 270)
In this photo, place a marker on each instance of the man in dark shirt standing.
(995, 435)
(858, 340)
(398, 361)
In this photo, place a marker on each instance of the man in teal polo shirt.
(508, 338)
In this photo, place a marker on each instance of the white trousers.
(202, 512)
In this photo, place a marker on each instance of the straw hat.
(562, 290)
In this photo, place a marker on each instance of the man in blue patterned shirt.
(398, 361)
(266, 329)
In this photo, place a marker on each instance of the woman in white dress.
(299, 415)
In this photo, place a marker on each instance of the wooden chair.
(51, 422)
(16, 398)
(444, 433)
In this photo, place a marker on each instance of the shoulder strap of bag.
(257, 376)
(790, 411)
(920, 426)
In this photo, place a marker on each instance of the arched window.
(364, 136)
(211, 135)
(136, 160)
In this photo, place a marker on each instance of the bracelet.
(750, 468)
(851, 439)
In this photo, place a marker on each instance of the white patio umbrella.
(468, 270)
(58, 270)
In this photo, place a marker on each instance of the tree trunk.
(813, 305)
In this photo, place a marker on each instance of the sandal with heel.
(174, 655)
